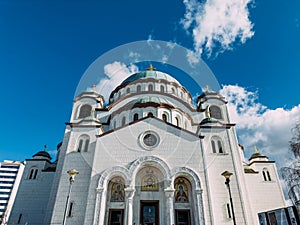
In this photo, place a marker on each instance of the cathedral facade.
(151, 156)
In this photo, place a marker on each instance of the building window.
(162, 89)
(216, 145)
(150, 87)
(165, 118)
(215, 112)
(123, 120)
(213, 146)
(33, 174)
(150, 114)
(177, 121)
(135, 117)
(85, 111)
(173, 91)
(83, 143)
(266, 174)
(138, 88)
(128, 90)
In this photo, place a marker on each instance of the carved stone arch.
(115, 171)
(187, 173)
(155, 161)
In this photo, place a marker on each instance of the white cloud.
(116, 72)
(217, 24)
(268, 129)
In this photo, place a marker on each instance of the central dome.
(150, 74)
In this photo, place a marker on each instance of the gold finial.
(255, 148)
(45, 146)
(151, 68)
(206, 88)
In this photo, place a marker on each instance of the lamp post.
(72, 173)
(227, 175)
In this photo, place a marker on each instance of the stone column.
(169, 194)
(199, 206)
(129, 193)
(99, 208)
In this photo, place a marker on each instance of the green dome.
(150, 74)
(153, 99)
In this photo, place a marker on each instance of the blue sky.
(46, 46)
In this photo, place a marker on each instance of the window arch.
(215, 112)
(135, 117)
(173, 90)
(217, 145)
(150, 87)
(123, 120)
(165, 117)
(150, 114)
(162, 88)
(266, 174)
(138, 88)
(85, 111)
(83, 143)
(33, 173)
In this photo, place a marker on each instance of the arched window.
(150, 114)
(33, 173)
(85, 111)
(150, 87)
(177, 121)
(216, 145)
(123, 120)
(138, 88)
(173, 91)
(135, 117)
(162, 89)
(164, 117)
(266, 174)
(215, 112)
(128, 90)
(115, 124)
(181, 95)
(213, 146)
(83, 143)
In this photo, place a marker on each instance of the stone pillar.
(100, 207)
(169, 194)
(129, 193)
(199, 206)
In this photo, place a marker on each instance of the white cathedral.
(153, 157)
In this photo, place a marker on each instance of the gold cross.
(151, 68)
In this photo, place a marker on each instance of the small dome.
(257, 155)
(42, 154)
(150, 74)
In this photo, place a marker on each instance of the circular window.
(149, 139)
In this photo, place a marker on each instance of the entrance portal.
(183, 217)
(149, 213)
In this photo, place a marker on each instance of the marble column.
(129, 193)
(169, 194)
(99, 209)
(199, 206)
